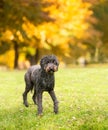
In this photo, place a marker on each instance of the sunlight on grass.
(82, 95)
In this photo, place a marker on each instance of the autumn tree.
(68, 28)
(59, 26)
(12, 15)
(101, 13)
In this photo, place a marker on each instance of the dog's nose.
(51, 67)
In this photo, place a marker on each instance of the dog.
(41, 78)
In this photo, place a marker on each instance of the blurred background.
(74, 30)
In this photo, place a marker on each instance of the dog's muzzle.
(51, 68)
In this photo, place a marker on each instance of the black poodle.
(41, 78)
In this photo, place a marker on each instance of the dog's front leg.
(39, 103)
(53, 96)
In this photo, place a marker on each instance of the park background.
(75, 31)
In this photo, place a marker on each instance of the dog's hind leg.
(34, 97)
(25, 102)
(29, 86)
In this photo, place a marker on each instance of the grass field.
(82, 95)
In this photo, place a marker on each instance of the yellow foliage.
(69, 20)
(18, 33)
(8, 35)
(70, 17)
(81, 45)
(55, 25)
(7, 58)
(30, 28)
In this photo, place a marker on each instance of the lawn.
(82, 95)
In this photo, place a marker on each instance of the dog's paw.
(56, 112)
(34, 100)
(40, 115)
(26, 104)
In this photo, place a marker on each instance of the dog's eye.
(55, 62)
(47, 62)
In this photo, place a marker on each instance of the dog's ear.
(42, 61)
(55, 60)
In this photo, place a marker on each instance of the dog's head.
(49, 63)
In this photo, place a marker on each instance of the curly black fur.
(41, 78)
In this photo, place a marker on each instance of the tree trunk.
(37, 55)
(16, 54)
(96, 57)
(1, 4)
(33, 59)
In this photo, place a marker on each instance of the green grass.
(83, 97)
